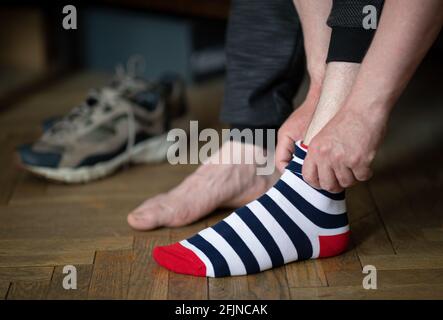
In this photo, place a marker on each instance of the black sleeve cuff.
(349, 44)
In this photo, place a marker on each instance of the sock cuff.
(300, 150)
(295, 165)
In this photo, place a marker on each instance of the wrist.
(316, 76)
(369, 103)
(373, 113)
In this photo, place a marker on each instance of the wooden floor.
(396, 218)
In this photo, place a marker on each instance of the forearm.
(316, 34)
(406, 30)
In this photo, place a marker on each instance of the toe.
(179, 259)
(141, 222)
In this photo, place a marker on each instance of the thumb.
(284, 152)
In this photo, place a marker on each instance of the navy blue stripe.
(262, 235)
(229, 234)
(298, 237)
(333, 196)
(221, 268)
(299, 152)
(294, 167)
(320, 218)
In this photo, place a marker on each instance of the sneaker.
(124, 122)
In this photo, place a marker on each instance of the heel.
(333, 245)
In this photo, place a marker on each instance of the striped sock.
(292, 221)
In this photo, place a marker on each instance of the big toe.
(179, 259)
(143, 219)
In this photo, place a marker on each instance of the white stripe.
(236, 266)
(283, 241)
(315, 198)
(201, 256)
(251, 241)
(297, 159)
(308, 227)
(334, 232)
(315, 247)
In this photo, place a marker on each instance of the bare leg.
(337, 85)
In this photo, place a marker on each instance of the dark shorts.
(265, 56)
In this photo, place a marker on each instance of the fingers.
(344, 175)
(362, 173)
(331, 172)
(310, 173)
(284, 152)
(327, 178)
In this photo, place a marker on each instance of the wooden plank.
(230, 288)
(98, 219)
(129, 185)
(359, 202)
(419, 247)
(404, 292)
(148, 280)
(271, 284)
(433, 234)
(346, 261)
(23, 247)
(110, 276)
(387, 278)
(4, 287)
(28, 189)
(26, 274)
(184, 287)
(74, 258)
(56, 290)
(370, 236)
(402, 224)
(368, 232)
(26, 246)
(399, 262)
(28, 290)
(307, 273)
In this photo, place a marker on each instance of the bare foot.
(210, 187)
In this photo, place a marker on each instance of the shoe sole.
(153, 150)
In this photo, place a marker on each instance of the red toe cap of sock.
(179, 259)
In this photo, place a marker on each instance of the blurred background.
(183, 36)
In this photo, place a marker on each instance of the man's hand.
(340, 155)
(294, 128)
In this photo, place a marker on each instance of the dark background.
(183, 36)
